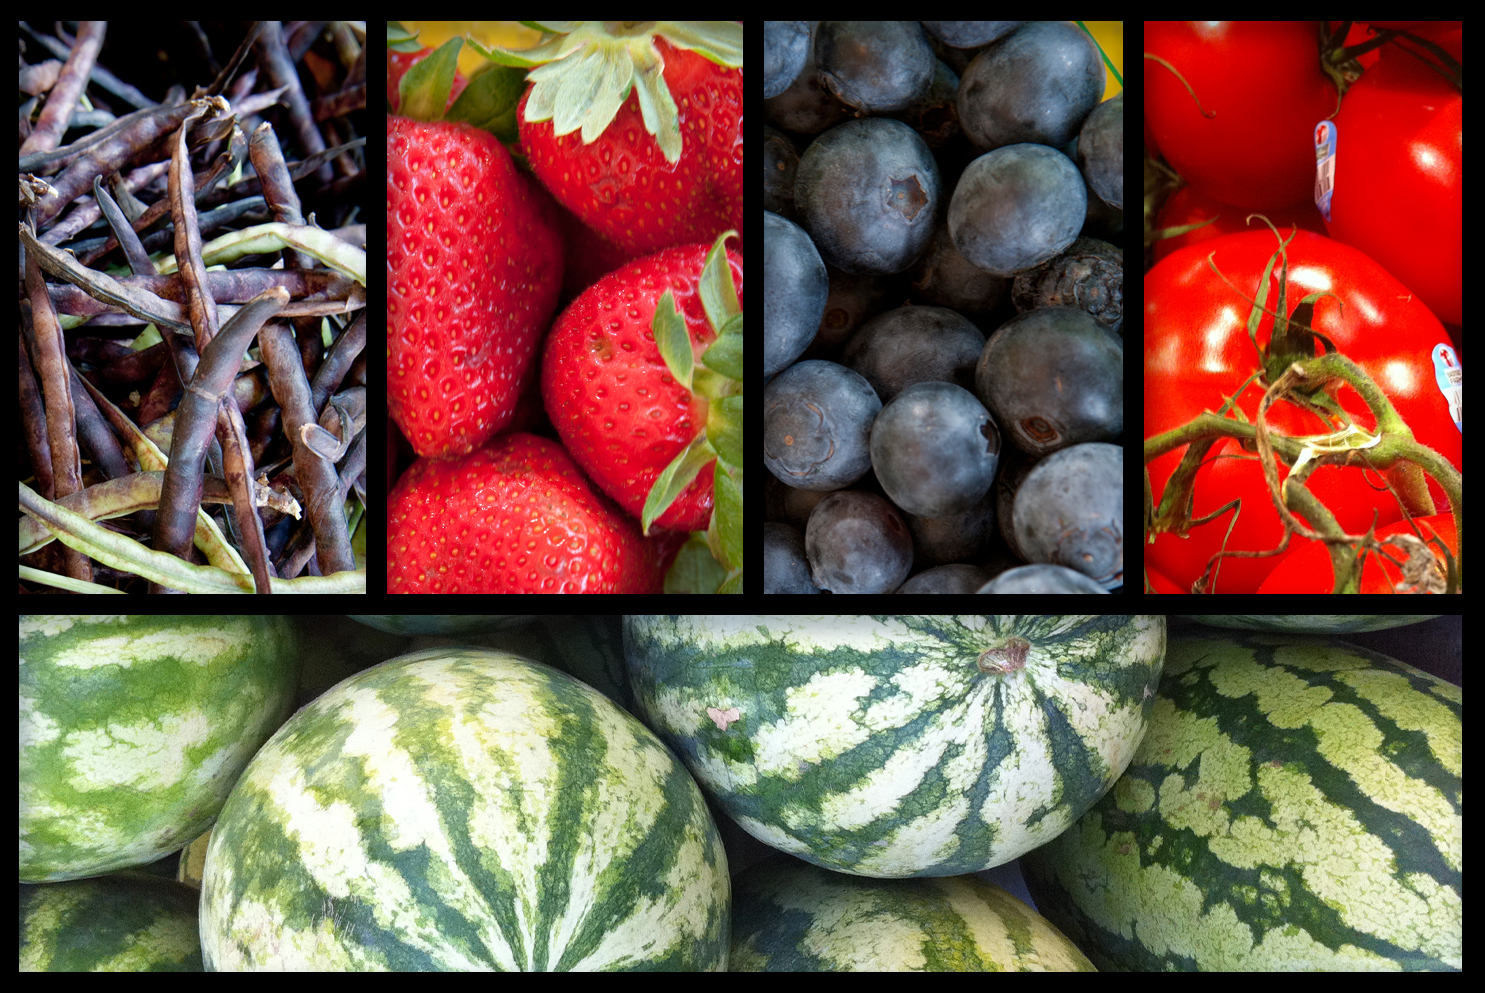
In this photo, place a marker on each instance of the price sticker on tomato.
(1324, 165)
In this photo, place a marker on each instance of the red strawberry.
(513, 517)
(624, 383)
(473, 270)
(648, 159)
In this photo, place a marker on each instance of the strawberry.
(642, 378)
(513, 517)
(473, 270)
(647, 158)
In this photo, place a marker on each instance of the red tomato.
(1160, 584)
(1427, 29)
(1400, 175)
(1197, 351)
(1186, 206)
(1307, 569)
(1263, 82)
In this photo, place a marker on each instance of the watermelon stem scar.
(1008, 658)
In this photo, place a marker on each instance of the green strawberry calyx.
(718, 378)
(583, 71)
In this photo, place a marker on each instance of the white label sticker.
(1448, 374)
(1324, 165)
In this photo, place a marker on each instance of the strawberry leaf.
(399, 39)
(724, 428)
(489, 102)
(675, 478)
(424, 90)
(717, 41)
(718, 291)
(585, 70)
(673, 340)
(726, 353)
(725, 533)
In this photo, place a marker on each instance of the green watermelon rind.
(788, 916)
(464, 809)
(127, 922)
(133, 729)
(1312, 623)
(876, 745)
(1295, 806)
(440, 623)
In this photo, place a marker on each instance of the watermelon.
(1295, 806)
(134, 728)
(128, 922)
(590, 647)
(788, 916)
(440, 623)
(464, 809)
(1312, 623)
(906, 745)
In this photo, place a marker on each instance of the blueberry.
(857, 543)
(969, 34)
(786, 46)
(1016, 207)
(817, 419)
(1101, 151)
(785, 568)
(1053, 377)
(946, 579)
(1070, 511)
(1037, 85)
(1042, 579)
(874, 66)
(795, 288)
(868, 191)
(913, 345)
(934, 449)
(780, 160)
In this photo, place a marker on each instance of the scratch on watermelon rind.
(723, 718)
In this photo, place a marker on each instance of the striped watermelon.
(791, 917)
(907, 745)
(129, 922)
(440, 623)
(134, 728)
(1295, 806)
(588, 646)
(1312, 623)
(461, 808)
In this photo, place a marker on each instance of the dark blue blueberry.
(1101, 151)
(795, 288)
(1037, 85)
(786, 46)
(874, 66)
(915, 344)
(857, 543)
(1070, 511)
(969, 34)
(946, 579)
(817, 420)
(1042, 579)
(867, 192)
(934, 449)
(1017, 207)
(1053, 377)
(780, 160)
(785, 568)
